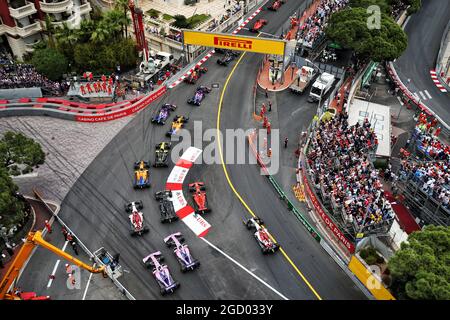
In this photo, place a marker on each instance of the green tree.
(181, 22)
(50, 62)
(16, 148)
(415, 5)
(102, 32)
(421, 268)
(115, 21)
(49, 30)
(11, 209)
(123, 5)
(349, 28)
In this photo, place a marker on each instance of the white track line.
(87, 286)
(245, 269)
(50, 281)
(428, 94)
(422, 95)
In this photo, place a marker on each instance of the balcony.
(28, 30)
(84, 8)
(21, 10)
(29, 46)
(56, 7)
(71, 21)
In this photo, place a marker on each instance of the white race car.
(136, 218)
(261, 235)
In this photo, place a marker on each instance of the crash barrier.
(62, 109)
(441, 64)
(121, 288)
(185, 212)
(281, 192)
(370, 279)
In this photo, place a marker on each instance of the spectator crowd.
(339, 162)
(432, 177)
(311, 32)
(425, 136)
(16, 75)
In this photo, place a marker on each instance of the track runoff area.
(245, 44)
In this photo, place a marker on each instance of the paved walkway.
(215, 8)
(289, 76)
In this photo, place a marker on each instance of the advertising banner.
(233, 42)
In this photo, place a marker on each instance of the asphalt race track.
(94, 208)
(425, 30)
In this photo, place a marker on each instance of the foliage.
(189, 23)
(16, 148)
(153, 13)
(167, 17)
(349, 29)
(103, 58)
(98, 45)
(11, 209)
(371, 256)
(421, 268)
(50, 63)
(415, 5)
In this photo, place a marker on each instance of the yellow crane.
(33, 239)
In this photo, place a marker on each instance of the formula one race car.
(199, 197)
(141, 175)
(177, 123)
(136, 218)
(161, 273)
(227, 58)
(275, 5)
(164, 113)
(182, 252)
(166, 206)
(258, 25)
(199, 95)
(261, 235)
(195, 74)
(162, 154)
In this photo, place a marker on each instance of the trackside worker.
(48, 226)
(270, 106)
(286, 142)
(269, 152)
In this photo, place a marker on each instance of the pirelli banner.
(232, 42)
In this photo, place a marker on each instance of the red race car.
(258, 25)
(199, 196)
(275, 5)
(196, 73)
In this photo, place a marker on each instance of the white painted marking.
(432, 72)
(428, 94)
(416, 95)
(245, 269)
(422, 95)
(400, 100)
(87, 286)
(50, 281)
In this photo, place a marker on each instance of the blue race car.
(199, 95)
(163, 113)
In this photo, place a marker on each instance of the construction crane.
(33, 239)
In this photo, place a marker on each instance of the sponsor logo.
(232, 43)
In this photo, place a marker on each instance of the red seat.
(24, 100)
(40, 100)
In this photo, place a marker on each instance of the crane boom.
(33, 239)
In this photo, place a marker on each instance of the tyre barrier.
(75, 111)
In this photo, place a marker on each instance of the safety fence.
(280, 191)
(121, 288)
(442, 65)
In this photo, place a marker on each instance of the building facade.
(22, 22)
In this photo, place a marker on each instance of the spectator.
(340, 165)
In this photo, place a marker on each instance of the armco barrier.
(328, 221)
(66, 112)
(141, 104)
(283, 196)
